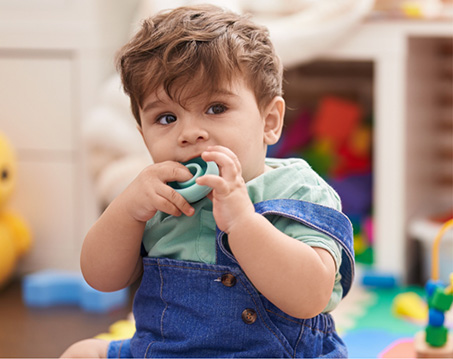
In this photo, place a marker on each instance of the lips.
(187, 159)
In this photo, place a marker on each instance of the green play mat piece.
(380, 315)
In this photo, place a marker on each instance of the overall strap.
(321, 218)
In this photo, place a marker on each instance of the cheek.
(158, 153)
(156, 148)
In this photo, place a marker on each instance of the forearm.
(110, 258)
(295, 277)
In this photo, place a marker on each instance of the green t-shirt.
(193, 238)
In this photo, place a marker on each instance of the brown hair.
(201, 45)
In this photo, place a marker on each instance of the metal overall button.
(228, 280)
(249, 316)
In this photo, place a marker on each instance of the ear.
(273, 120)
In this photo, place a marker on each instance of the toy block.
(424, 350)
(320, 156)
(431, 287)
(92, 300)
(360, 245)
(367, 257)
(49, 288)
(381, 280)
(441, 300)
(410, 305)
(359, 142)
(336, 119)
(436, 336)
(350, 163)
(436, 317)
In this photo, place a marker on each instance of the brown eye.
(216, 109)
(5, 174)
(166, 119)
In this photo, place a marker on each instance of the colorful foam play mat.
(384, 322)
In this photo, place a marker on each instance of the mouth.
(188, 159)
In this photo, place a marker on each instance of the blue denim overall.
(191, 309)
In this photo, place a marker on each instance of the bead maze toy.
(190, 190)
(435, 341)
(48, 288)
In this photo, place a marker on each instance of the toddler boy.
(253, 269)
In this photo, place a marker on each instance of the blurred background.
(369, 89)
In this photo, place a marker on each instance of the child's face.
(229, 118)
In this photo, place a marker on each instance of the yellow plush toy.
(15, 238)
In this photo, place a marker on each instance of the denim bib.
(191, 309)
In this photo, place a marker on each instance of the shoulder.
(292, 178)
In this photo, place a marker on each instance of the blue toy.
(190, 190)
(49, 288)
(372, 278)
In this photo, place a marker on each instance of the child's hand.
(231, 202)
(149, 192)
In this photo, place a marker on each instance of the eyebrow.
(223, 92)
(152, 104)
(157, 102)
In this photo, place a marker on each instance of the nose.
(192, 132)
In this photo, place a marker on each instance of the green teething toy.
(190, 190)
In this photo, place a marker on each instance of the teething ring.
(190, 190)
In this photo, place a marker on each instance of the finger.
(162, 196)
(177, 201)
(174, 171)
(218, 184)
(227, 165)
(232, 156)
(227, 152)
(162, 204)
(223, 149)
